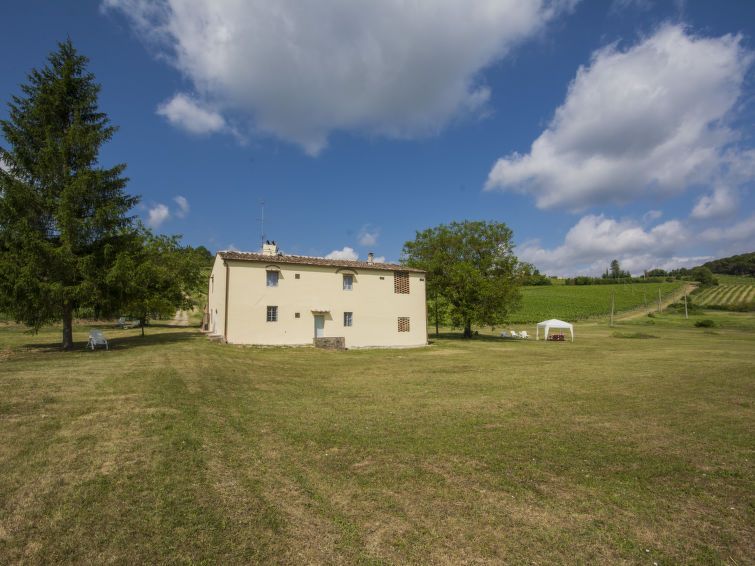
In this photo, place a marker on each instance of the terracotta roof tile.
(306, 260)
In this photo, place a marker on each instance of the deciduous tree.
(472, 266)
(156, 276)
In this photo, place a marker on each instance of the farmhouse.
(274, 299)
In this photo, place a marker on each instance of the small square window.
(297, 276)
(348, 318)
(272, 314)
(272, 278)
(297, 315)
(403, 324)
(381, 277)
(348, 282)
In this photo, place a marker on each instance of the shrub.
(705, 323)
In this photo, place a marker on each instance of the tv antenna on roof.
(262, 223)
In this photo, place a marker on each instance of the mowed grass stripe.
(726, 295)
(723, 295)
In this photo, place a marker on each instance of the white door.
(319, 326)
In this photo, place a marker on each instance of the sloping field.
(578, 302)
(726, 295)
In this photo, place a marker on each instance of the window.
(272, 278)
(401, 282)
(403, 324)
(296, 276)
(348, 318)
(297, 315)
(348, 282)
(272, 314)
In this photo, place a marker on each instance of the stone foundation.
(331, 343)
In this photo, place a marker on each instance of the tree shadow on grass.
(154, 339)
(118, 343)
(459, 337)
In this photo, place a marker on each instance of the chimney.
(270, 248)
(370, 258)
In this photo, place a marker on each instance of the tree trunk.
(142, 322)
(468, 329)
(67, 327)
(437, 322)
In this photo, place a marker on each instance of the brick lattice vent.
(401, 282)
(403, 324)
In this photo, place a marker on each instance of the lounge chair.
(124, 322)
(97, 338)
(523, 334)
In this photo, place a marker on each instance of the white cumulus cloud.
(650, 118)
(368, 236)
(157, 215)
(721, 202)
(345, 253)
(301, 70)
(595, 240)
(742, 232)
(183, 206)
(188, 114)
(591, 244)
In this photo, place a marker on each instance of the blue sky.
(594, 129)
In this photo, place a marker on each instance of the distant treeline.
(585, 280)
(701, 274)
(743, 264)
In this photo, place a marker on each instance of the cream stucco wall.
(216, 296)
(372, 300)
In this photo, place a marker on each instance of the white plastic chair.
(523, 334)
(514, 334)
(505, 334)
(97, 338)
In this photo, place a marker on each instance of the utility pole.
(685, 304)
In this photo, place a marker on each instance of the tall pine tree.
(62, 216)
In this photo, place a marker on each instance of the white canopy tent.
(553, 323)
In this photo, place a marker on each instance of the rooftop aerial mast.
(262, 223)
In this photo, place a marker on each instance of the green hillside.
(743, 264)
(576, 302)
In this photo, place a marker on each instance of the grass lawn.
(633, 444)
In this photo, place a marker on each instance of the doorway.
(319, 326)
